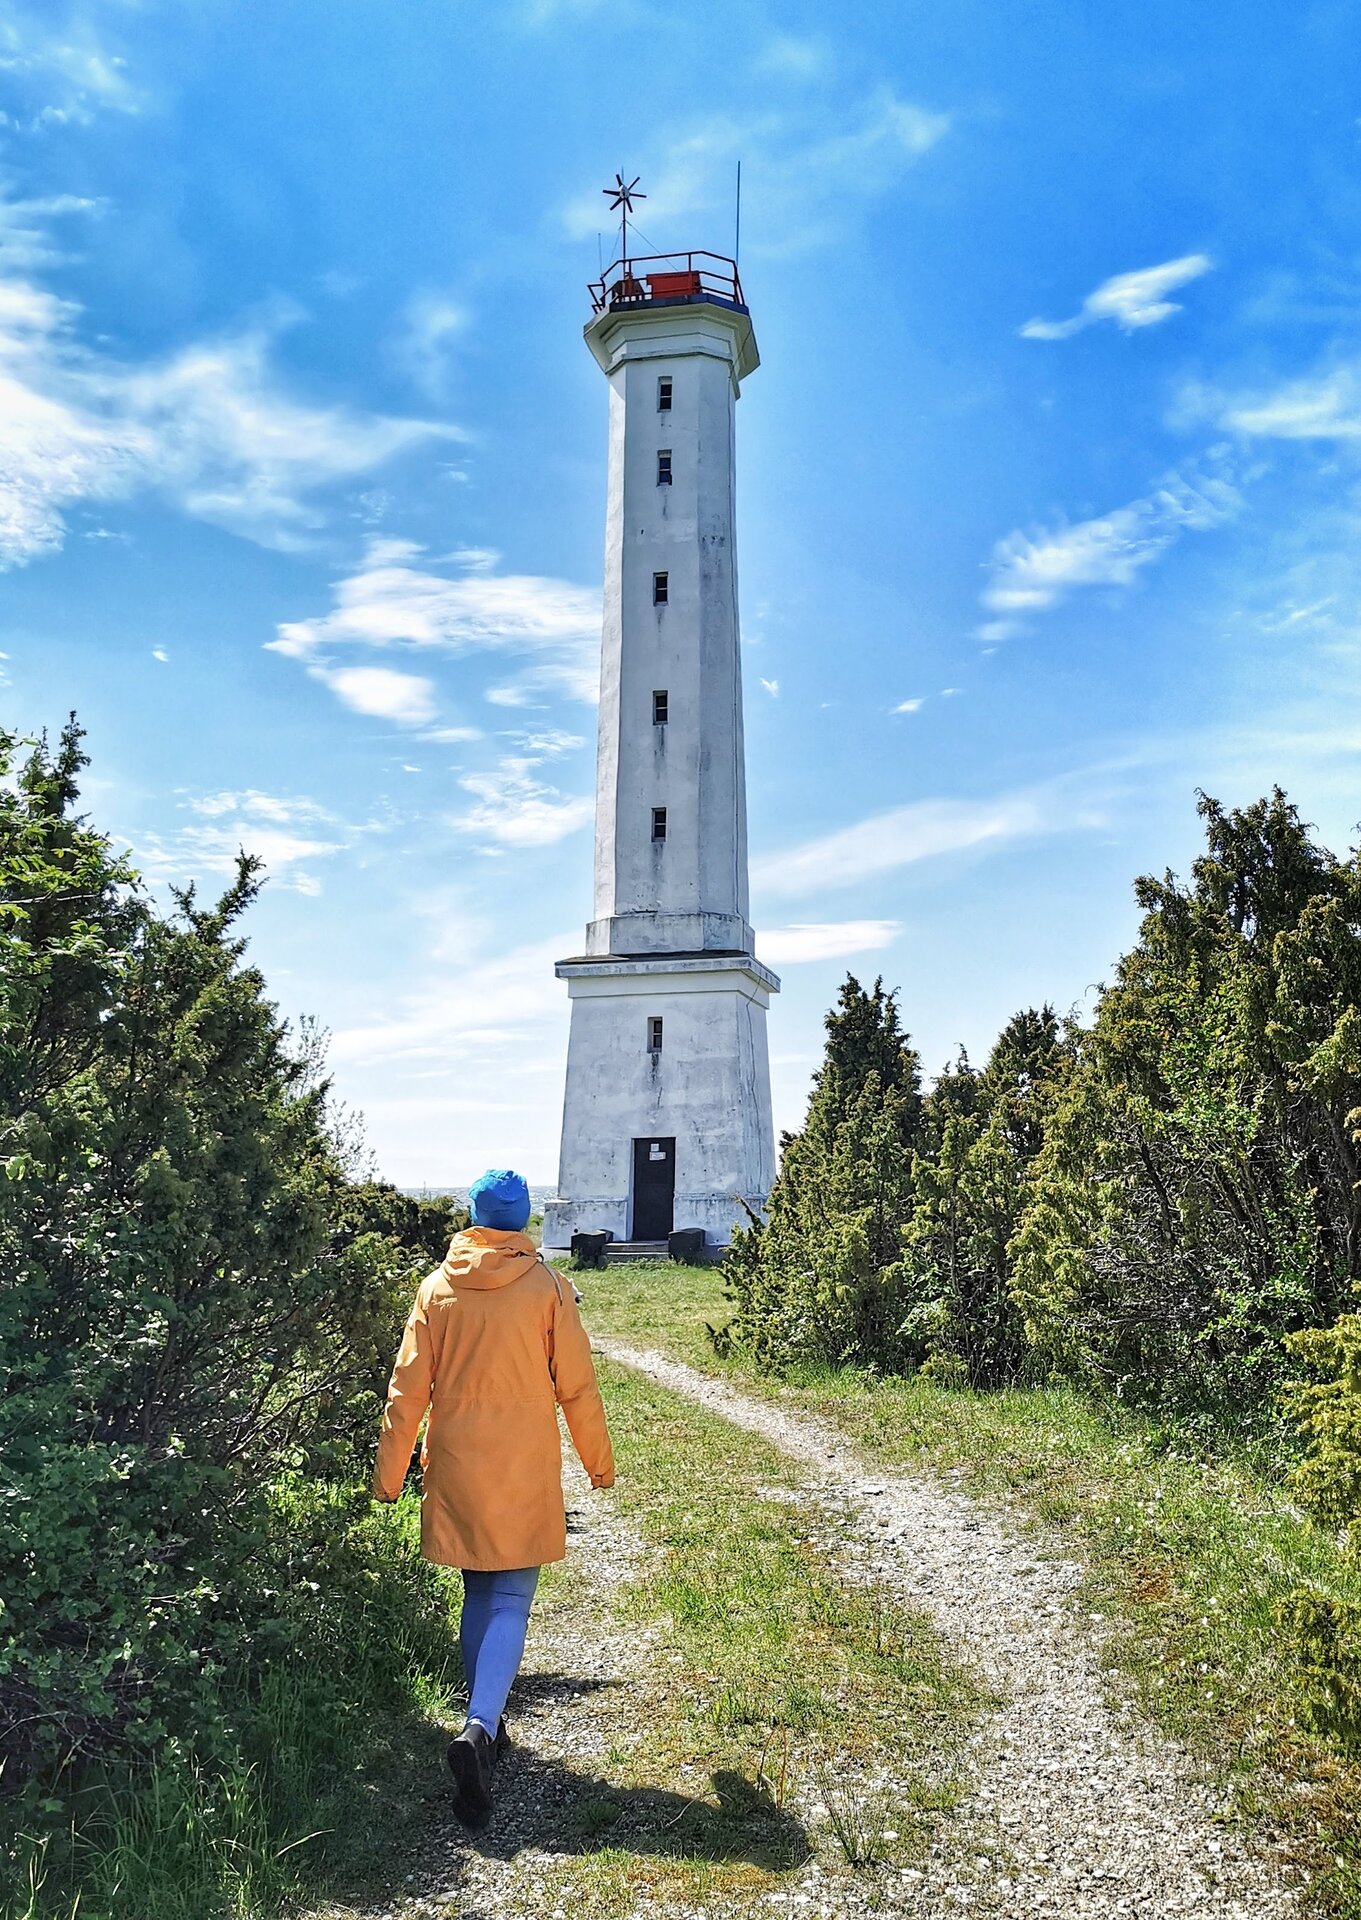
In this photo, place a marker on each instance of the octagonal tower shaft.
(666, 1106)
(671, 816)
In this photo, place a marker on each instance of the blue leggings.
(492, 1636)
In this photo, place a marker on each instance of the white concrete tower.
(666, 1118)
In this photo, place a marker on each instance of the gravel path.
(1072, 1806)
(582, 1694)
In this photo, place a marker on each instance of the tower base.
(657, 1138)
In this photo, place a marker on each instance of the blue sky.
(1048, 514)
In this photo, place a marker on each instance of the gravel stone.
(1073, 1806)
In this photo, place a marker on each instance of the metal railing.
(650, 279)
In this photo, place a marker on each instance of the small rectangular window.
(654, 1034)
(664, 466)
(659, 823)
(661, 701)
(664, 396)
(659, 589)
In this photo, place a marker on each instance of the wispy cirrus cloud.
(397, 599)
(921, 830)
(506, 1026)
(1032, 571)
(59, 69)
(289, 832)
(1132, 300)
(805, 170)
(550, 742)
(514, 809)
(1321, 405)
(27, 240)
(504, 1000)
(422, 345)
(824, 940)
(210, 428)
(790, 56)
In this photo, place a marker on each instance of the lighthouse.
(666, 1113)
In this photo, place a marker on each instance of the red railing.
(658, 277)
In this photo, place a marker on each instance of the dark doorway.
(654, 1188)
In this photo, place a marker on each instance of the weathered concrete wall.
(689, 891)
(709, 1087)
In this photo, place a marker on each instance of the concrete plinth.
(707, 1088)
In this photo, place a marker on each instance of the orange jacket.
(493, 1340)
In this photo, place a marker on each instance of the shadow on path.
(544, 1804)
(547, 1805)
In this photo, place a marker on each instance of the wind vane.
(621, 197)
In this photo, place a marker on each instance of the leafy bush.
(1147, 1206)
(1324, 1628)
(971, 1177)
(890, 1225)
(1196, 1197)
(1327, 1414)
(199, 1306)
(818, 1280)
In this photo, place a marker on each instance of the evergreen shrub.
(198, 1309)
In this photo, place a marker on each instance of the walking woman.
(493, 1341)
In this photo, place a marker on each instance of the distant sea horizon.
(537, 1195)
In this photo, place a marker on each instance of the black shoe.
(504, 1743)
(471, 1757)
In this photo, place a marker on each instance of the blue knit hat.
(500, 1198)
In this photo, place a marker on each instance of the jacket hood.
(486, 1257)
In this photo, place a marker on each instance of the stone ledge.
(657, 966)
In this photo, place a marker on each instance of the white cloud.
(921, 830)
(909, 706)
(1131, 300)
(209, 427)
(804, 172)
(407, 699)
(551, 742)
(1325, 406)
(786, 56)
(288, 832)
(516, 810)
(26, 241)
(476, 559)
(505, 1026)
(60, 68)
(452, 736)
(502, 997)
(1033, 571)
(421, 347)
(284, 809)
(394, 600)
(824, 940)
(772, 687)
(159, 653)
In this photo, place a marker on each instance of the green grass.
(306, 1800)
(1188, 1556)
(768, 1667)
